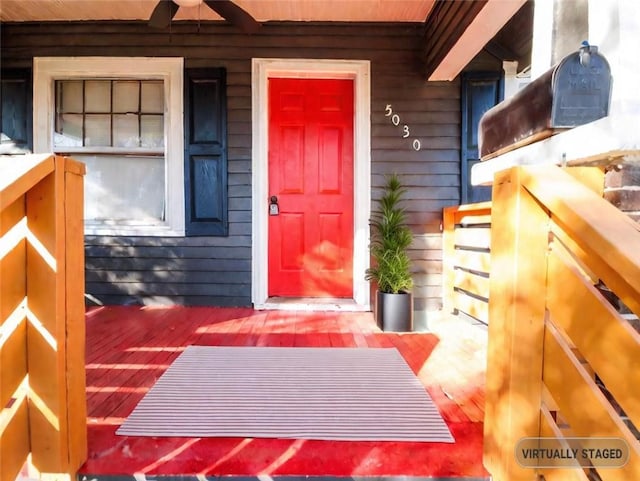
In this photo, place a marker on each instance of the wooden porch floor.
(128, 348)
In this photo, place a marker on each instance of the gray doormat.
(350, 394)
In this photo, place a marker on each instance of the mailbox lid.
(581, 88)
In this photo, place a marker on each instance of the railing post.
(75, 310)
(516, 325)
(45, 314)
(448, 256)
(55, 313)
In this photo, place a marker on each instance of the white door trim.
(359, 71)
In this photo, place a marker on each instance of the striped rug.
(351, 394)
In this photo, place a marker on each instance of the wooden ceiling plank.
(262, 10)
(500, 51)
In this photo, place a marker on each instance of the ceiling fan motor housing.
(188, 3)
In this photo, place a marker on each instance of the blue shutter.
(205, 153)
(15, 111)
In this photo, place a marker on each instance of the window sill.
(132, 231)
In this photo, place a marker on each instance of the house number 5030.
(406, 131)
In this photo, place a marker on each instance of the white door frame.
(357, 70)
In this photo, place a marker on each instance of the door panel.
(311, 174)
(480, 92)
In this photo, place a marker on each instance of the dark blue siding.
(216, 270)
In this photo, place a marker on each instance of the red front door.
(311, 175)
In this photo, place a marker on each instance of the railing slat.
(604, 338)
(583, 405)
(474, 219)
(476, 237)
(12, 262)
(469, 305)
(12, 312)
(594, 263)
(14, 441)
(473, 283)
(12, 348)
(20, 175)
(473, 260)
(549, 429)
(478, 208)
(597, 226)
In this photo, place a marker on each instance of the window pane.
(152, 130)
(97, 130)
(70, 96)
(68, 131)
(97, 96)
(152, 97)
(137, 197)
(126, 96)
(125, 131)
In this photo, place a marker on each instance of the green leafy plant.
(390, 239)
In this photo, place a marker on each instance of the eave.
(457, 31)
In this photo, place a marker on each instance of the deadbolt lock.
(273, 205)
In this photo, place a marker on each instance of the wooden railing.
(466, 259)
(562, 362)
(42, 377)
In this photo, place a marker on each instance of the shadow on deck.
(128, 348)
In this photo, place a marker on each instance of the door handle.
(273, 205)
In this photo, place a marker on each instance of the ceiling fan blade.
(234, 14)
(163, 13)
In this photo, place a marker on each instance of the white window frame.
(46, 70)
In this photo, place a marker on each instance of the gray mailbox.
(574, 92)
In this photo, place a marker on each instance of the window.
(119, 127)
(122, 117)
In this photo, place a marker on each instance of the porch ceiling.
(261, 10)
(455, 31)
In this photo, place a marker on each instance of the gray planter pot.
(394, 312)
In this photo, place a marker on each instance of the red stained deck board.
(128, 348)
(340, 339)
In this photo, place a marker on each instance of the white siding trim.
(48, 69)
(359, 71)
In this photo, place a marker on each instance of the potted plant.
(390, 239)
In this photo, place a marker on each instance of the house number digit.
(406, 131)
